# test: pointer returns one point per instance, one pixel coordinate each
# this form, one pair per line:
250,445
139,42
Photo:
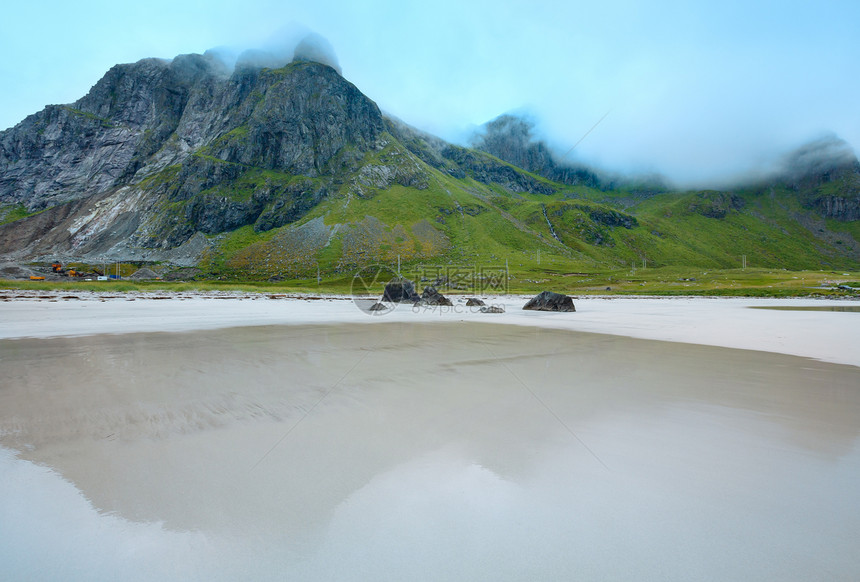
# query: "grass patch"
667,281
12,212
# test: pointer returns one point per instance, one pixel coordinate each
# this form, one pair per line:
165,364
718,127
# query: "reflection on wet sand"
454,451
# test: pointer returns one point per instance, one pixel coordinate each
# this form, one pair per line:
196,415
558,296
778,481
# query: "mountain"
817,188
159,151
512,139
268,173
826,175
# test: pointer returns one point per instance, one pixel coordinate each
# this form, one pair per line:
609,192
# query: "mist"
293,42
822,155
521,139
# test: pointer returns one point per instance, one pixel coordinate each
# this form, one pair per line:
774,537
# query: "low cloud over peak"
291,43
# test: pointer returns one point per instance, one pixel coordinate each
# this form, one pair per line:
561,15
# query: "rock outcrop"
489,170
431,296
712,204
841,208
510,138
826,175
400,291
143,274
550,301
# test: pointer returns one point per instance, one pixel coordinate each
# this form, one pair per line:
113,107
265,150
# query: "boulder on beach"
474,302
400,290
493,309
550,301
378,307
431,296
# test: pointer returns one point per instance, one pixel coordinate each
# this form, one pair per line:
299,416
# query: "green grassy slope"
390,207
462,221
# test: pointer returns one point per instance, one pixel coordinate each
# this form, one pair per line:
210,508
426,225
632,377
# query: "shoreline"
714,321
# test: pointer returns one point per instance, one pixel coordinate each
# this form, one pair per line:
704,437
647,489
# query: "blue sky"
701,91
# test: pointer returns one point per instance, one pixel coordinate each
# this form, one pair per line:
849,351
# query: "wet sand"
444,451
724,322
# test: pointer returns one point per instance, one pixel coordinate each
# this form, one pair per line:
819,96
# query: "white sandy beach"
207,438
725,322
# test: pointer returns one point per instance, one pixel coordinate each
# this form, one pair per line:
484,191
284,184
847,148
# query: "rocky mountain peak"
143,117
160,151
819,161
511,138
825,173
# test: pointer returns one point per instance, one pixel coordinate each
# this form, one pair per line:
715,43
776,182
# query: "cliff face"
66,152
510,138
143,117
179,145
842,208
826,175
837,193
297,119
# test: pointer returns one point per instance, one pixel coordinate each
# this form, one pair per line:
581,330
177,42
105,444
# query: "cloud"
291,42
820,156
317,49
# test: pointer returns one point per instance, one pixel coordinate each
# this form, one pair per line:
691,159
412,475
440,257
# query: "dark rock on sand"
474,302
400,291
431,296
550,301
493,309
